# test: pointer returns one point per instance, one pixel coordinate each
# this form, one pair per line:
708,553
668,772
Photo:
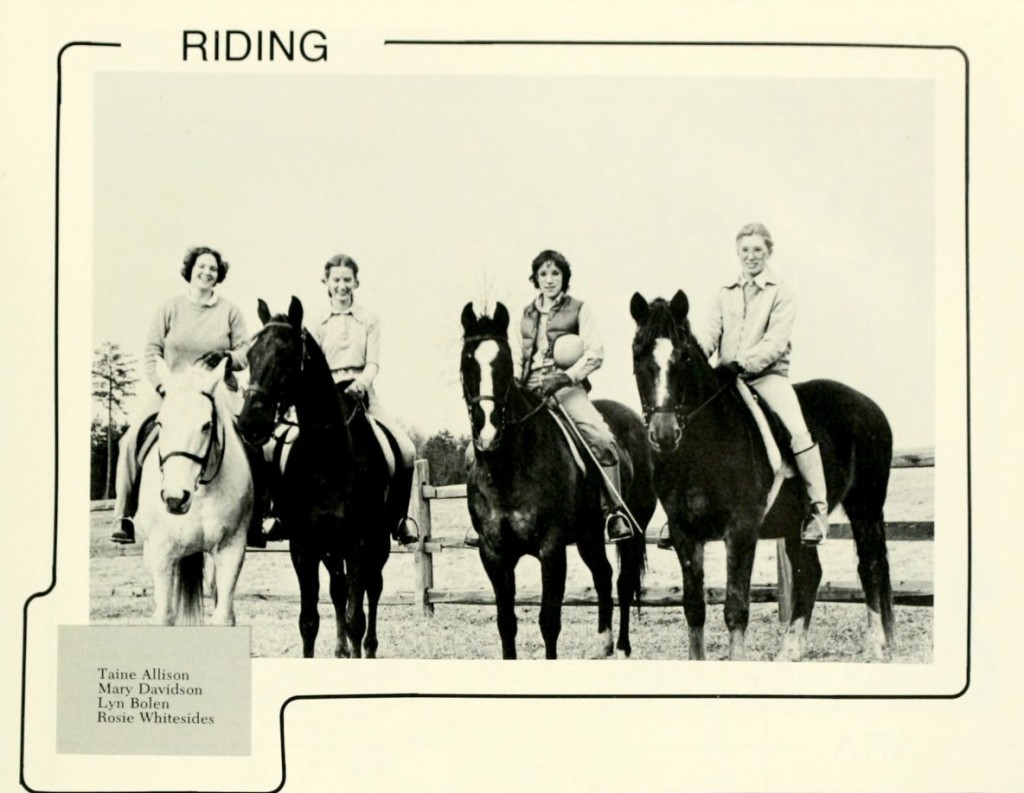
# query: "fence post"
785,584
419,508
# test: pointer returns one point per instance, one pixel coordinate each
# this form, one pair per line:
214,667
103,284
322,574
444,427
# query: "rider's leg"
404,531
777,391
599,437
126,481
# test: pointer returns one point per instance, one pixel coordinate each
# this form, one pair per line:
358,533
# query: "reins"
684,419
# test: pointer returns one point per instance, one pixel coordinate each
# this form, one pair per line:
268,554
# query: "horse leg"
740,546
227,566
355,617
339,595
374,586
691,561
307,569
162,570
873,569
595,557
806,577
502,573
552,573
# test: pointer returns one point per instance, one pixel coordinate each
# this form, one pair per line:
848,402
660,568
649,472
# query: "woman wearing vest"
553,313
749,325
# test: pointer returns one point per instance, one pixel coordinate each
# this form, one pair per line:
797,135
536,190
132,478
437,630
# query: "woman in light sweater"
196,326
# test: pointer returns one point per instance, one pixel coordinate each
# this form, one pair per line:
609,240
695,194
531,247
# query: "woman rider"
199,325
349,336
551,315
750,326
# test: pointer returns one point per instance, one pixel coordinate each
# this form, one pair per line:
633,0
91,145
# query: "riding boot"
404,531
126,500
815,528
616,524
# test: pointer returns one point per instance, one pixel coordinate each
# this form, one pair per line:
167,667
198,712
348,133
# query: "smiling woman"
198,326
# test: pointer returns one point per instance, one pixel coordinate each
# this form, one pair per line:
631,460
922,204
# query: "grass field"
268,593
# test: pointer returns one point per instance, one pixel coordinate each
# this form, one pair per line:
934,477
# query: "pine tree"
113,382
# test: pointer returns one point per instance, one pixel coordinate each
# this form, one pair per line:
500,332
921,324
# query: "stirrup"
124,531
623,529
815,529
272,529
407,531
665,539
472,539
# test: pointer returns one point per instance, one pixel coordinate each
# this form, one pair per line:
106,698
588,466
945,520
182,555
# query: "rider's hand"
213,358
728,372
357,388
554,383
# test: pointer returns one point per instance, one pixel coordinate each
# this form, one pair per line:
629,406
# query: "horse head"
487,374
191,439
667,363
276,355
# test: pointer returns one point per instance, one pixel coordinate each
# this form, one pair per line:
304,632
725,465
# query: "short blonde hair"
760,230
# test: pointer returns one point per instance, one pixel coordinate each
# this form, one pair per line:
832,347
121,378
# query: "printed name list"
149,696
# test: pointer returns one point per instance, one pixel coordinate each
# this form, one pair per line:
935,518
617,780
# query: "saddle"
774,434
146,439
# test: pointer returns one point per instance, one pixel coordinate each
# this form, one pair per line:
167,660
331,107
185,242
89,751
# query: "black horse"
527,495
332,497
714,479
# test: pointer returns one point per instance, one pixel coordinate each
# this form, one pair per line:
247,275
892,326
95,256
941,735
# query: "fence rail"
910,593
425,595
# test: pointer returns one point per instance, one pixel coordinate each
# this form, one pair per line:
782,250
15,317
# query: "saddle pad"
382,435
279,447
770,446
146,439
573,446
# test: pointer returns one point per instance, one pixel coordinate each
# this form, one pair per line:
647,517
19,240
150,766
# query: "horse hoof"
621,655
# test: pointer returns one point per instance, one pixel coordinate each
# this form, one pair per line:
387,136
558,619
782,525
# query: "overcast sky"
443,189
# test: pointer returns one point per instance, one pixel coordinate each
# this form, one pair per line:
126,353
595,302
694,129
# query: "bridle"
473,401
204,460
683,417
281,406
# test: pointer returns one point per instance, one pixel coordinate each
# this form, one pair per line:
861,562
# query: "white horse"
195,497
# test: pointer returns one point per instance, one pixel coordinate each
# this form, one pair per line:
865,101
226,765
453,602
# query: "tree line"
113,383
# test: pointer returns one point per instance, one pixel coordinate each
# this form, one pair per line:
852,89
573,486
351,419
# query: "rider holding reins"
749,325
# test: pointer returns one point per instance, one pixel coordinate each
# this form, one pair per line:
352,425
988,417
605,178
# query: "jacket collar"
763,279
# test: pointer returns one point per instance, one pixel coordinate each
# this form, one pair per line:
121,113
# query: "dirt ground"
267,597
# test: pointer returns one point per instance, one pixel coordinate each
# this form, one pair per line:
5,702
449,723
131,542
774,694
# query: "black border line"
483,696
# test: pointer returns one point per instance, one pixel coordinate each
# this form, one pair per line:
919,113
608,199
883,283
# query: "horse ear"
216,375
501,317
468,317
639,308
680,306
262,311
295,312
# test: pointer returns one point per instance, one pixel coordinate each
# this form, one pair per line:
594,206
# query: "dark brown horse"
713,477
527,495
333,495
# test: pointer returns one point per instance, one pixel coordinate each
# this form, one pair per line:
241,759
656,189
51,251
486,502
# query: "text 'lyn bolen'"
258,45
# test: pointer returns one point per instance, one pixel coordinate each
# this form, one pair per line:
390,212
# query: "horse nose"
178,505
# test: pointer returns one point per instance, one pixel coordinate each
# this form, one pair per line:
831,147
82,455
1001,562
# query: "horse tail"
632,556
190,589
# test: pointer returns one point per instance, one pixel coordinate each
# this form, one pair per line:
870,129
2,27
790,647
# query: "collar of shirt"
562,297
355,309
193,297
761,280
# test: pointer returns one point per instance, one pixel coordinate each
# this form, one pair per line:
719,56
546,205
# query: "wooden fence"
910,593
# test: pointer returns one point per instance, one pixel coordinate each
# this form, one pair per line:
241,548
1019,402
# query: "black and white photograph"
539,373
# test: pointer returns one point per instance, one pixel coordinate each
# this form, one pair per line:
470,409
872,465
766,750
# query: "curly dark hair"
556,259
190,261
